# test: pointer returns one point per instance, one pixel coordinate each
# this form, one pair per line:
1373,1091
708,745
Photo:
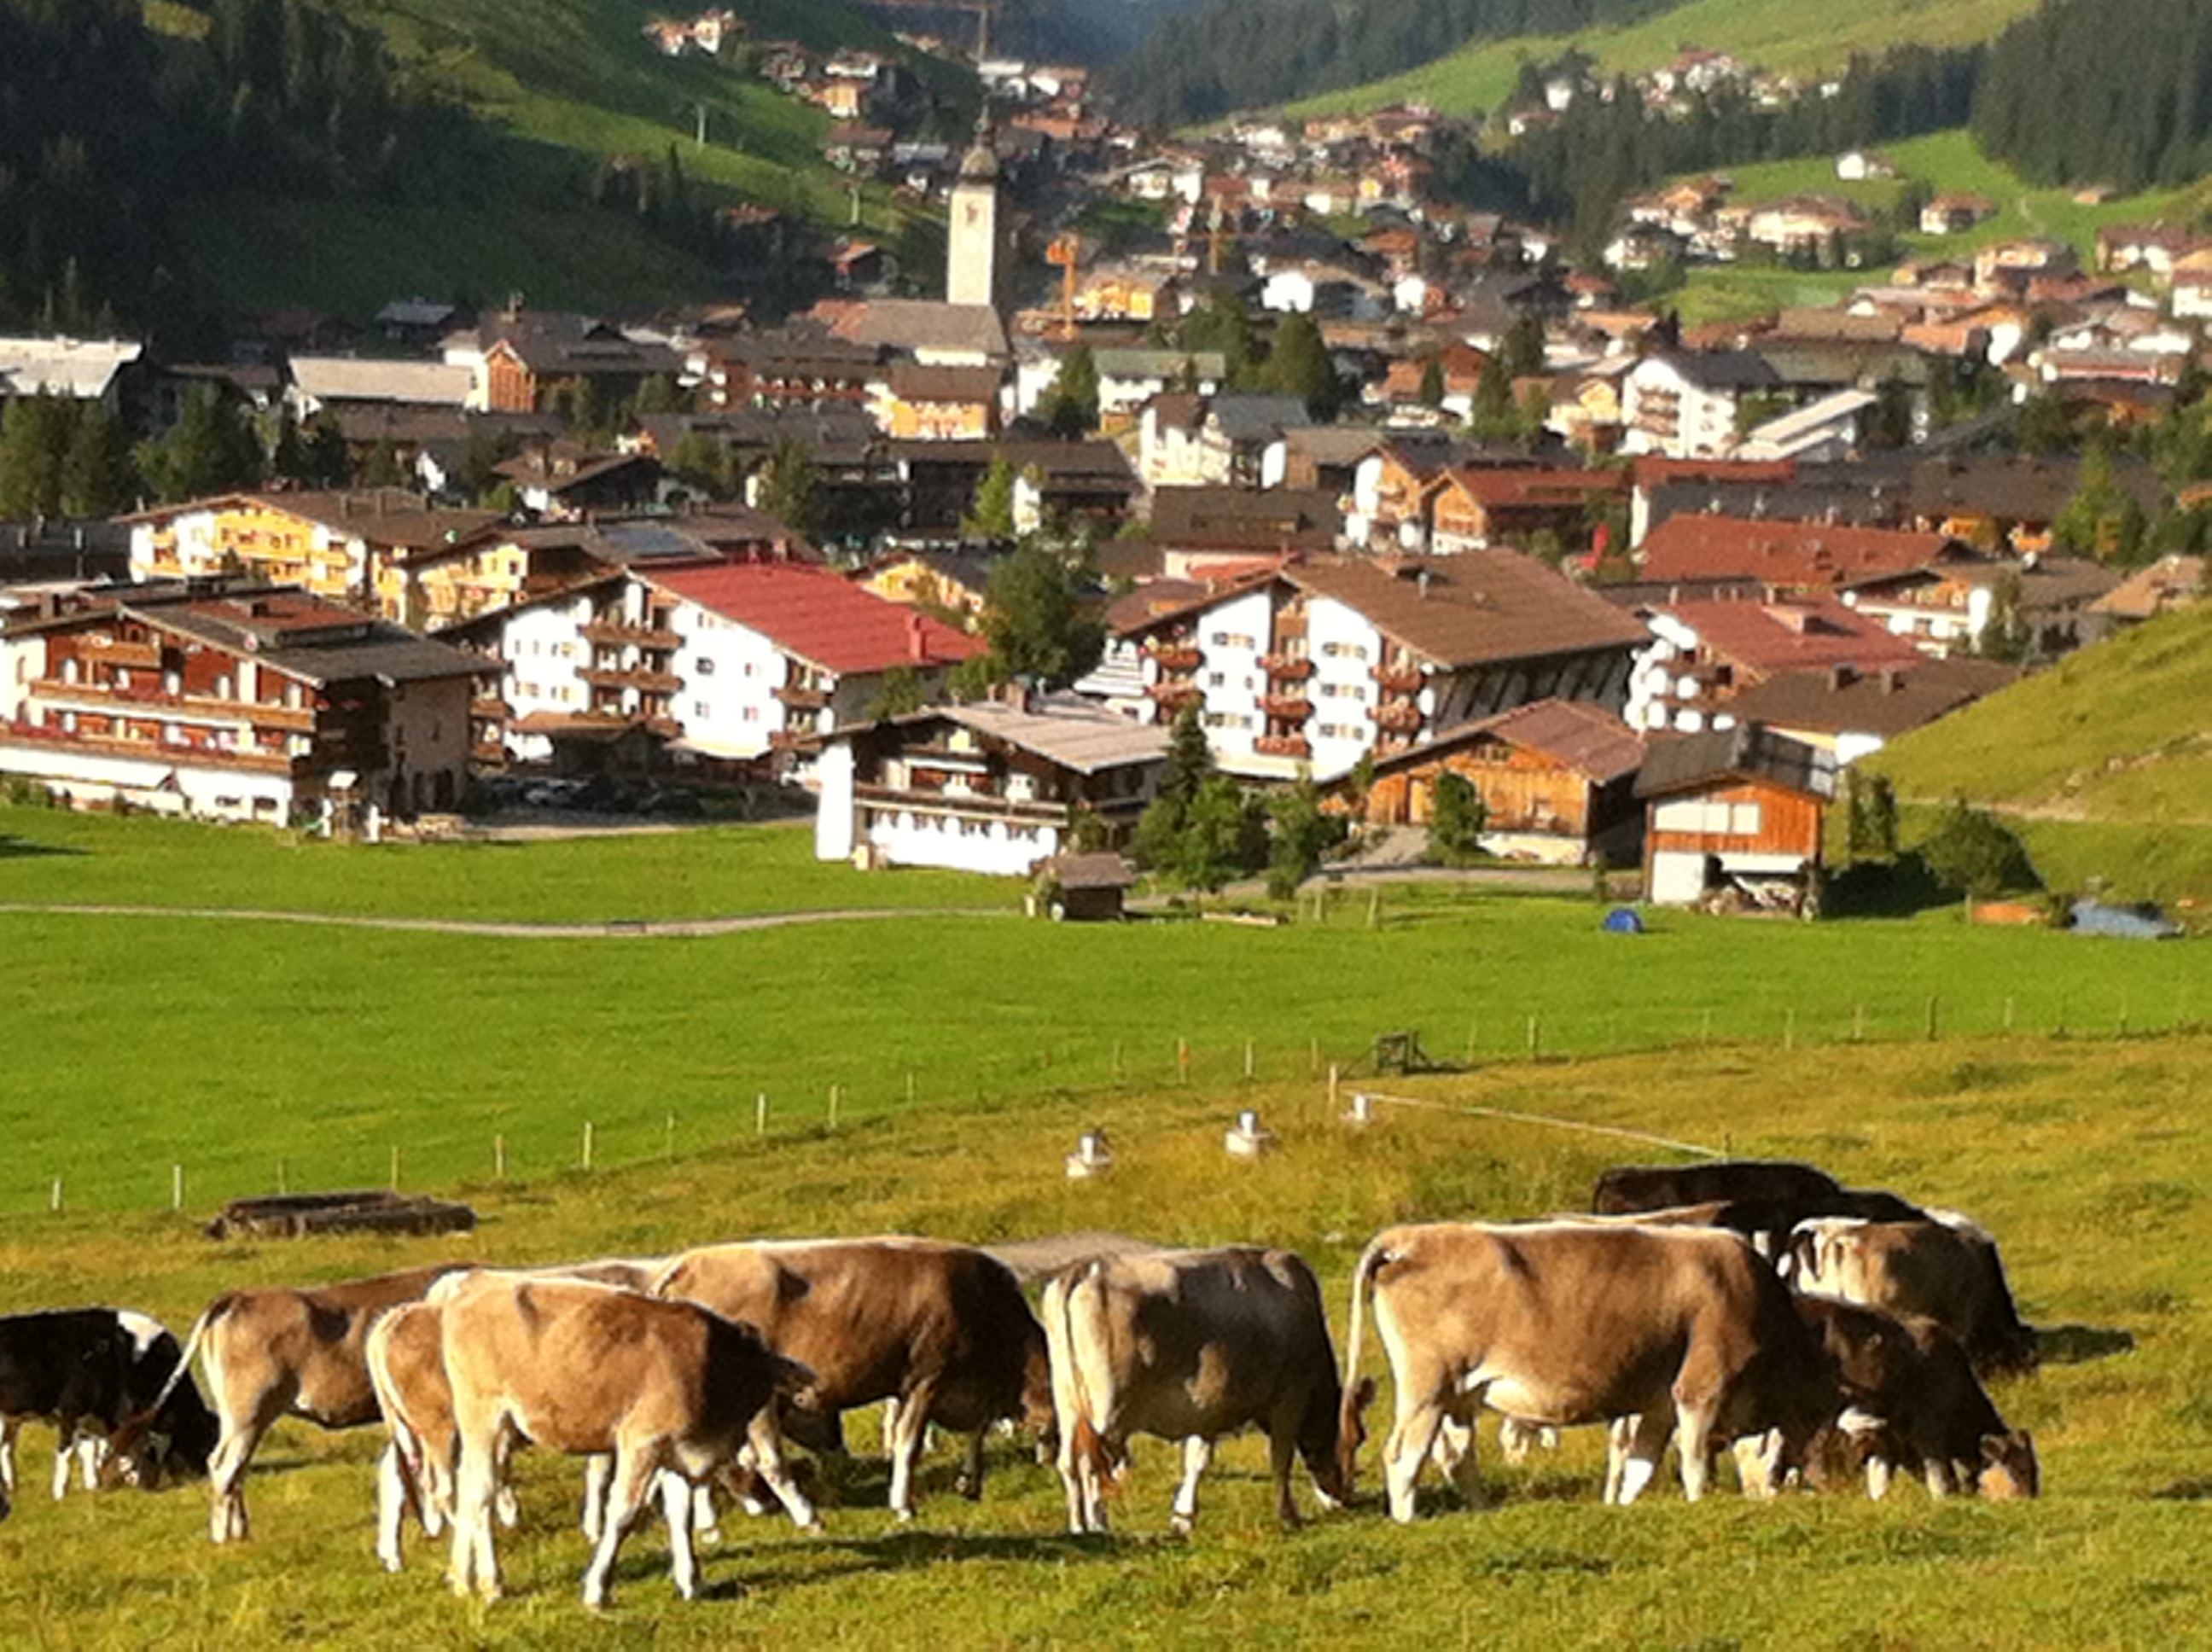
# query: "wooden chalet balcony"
613,634
490,711
137,656
1174,696
973,804
101,745
1401,678
799,697
152,701
1291,708
1283,745
1178,657
646,682
1287,668
1399,716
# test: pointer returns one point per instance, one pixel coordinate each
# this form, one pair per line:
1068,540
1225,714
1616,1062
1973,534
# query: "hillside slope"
1786,36
2105,760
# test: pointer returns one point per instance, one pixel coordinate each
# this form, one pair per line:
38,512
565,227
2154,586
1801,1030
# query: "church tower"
976,261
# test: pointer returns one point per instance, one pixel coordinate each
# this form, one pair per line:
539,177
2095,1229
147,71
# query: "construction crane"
1066,252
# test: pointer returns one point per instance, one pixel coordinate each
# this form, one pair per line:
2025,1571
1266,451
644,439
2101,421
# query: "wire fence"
446,1151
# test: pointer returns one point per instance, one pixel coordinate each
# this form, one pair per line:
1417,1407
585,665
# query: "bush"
1455,821
1974,852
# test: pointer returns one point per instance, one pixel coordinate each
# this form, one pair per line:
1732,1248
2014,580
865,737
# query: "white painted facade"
1235,636
1664,410
1344,647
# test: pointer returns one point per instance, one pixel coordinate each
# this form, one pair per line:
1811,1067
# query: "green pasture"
256,1053
2089,1159
1785,36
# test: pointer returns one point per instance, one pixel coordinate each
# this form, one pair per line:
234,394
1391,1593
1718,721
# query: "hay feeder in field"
296,1216
1362,1111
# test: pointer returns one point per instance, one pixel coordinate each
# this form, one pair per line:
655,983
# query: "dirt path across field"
617,928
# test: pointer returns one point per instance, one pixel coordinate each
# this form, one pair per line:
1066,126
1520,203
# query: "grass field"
2061,1147
1785,36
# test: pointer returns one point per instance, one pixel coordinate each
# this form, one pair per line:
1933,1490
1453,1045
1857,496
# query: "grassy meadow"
1785,36
251,1051
2088,1159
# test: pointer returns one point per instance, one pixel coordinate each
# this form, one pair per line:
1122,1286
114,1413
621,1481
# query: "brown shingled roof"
1476,608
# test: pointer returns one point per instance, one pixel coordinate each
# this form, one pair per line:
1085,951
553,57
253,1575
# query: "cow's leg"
764,1438
91,1453
1457,1450
599,1468
505,1503
910,1432
65,1444
677,1509
1071,1482
632,1483
475,1566
391,1497
1197,1452
9,1427
1758,1463
1694,1420
1935,1471
227,1518
1282,1458
1413,1437
1639,1443
969,1485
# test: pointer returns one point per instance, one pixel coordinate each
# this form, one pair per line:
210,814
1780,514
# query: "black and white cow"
86,1371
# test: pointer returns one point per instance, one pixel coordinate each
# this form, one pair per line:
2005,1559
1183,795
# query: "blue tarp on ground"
2143,922
1623,921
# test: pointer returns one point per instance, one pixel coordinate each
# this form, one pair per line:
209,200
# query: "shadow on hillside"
2076,1345
1885,889
18,848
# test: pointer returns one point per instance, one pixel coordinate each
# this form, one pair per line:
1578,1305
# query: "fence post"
1535,1037
395,1168
1313,1057
1858,1023
176,1186
2008,1015
57,1196
760,1113
1333,1077
1248,1057
1931,1015
499,1158
910,1087
668,1144
834,1089
1182,1060
587,1144
1375,907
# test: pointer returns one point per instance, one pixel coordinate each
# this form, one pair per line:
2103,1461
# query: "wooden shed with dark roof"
1737,809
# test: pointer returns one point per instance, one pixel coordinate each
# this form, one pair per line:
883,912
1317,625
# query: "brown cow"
941,1328
1945,1269
273,1352
1912,1395
1191,1346
1565,1323
585,1368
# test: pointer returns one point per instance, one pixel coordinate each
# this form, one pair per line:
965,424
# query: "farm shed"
1557,780
1739,807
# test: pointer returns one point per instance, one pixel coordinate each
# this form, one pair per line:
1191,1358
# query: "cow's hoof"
1180,1525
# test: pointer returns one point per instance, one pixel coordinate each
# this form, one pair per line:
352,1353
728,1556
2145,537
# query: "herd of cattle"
1820,1331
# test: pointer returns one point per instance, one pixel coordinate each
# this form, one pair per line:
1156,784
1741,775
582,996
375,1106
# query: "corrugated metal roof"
1086,739
1685,763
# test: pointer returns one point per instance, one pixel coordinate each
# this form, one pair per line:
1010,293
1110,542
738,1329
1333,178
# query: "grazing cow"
1945,1270
273,1352
1769,1222
1911,1396
1565,1323
1191,1346
584,1369
1628,1188
942,1329
91,1371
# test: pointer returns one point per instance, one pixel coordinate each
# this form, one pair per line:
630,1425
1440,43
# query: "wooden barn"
1557,780
1739,807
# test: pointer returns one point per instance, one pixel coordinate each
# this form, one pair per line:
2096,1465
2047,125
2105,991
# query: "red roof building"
1785,555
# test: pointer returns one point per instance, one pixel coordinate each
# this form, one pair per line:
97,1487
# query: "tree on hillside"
99,477
1971,850
1300,832
1189,765
1071,407
211,450
34,441
1299,366
1037,614
1456,817
789,488
1871,815
991,516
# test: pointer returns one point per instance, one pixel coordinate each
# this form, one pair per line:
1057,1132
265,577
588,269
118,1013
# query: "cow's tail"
1355,1392
1085,1444
127,1436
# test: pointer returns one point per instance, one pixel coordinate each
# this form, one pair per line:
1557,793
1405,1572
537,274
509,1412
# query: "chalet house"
1703,652
1685,405
1461,367
785,364
2174,581
1171,449
1478,508
568,479
500,565
2155,247
342,384
914,401
520,359
934,334
988,787
1946,607
1813,227
1556,778
1954,213
1317,664
233,700
1070,482
1787,555
1127,292
1127,379
335,546
75,369
1204,533
2008,267
1318,459
951,584
1661,486
1741,809
731,664
1852,712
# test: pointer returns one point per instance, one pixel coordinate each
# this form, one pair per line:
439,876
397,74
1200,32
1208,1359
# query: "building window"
1215,679
699,708
705,666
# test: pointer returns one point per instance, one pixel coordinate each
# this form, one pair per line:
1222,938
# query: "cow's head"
1336,1474
2009,1465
